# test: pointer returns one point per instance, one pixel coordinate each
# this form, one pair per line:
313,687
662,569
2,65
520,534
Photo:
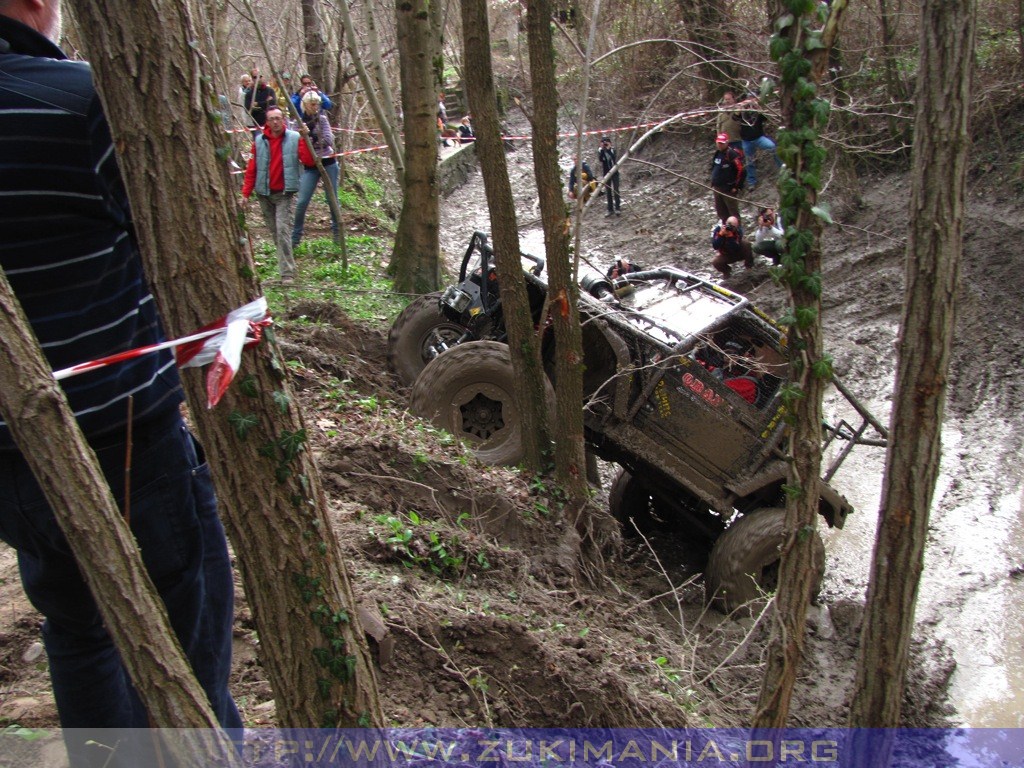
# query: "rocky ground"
506,631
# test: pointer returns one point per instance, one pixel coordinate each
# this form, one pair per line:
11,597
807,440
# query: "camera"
730,227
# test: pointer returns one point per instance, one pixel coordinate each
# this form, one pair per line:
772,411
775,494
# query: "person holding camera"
730,247
306,85
768,237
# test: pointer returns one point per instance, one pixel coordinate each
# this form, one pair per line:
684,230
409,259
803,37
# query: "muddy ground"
513,634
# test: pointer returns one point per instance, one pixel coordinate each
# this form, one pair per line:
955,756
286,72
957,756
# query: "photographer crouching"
730,247
768,237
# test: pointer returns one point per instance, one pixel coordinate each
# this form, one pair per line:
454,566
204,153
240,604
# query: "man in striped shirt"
69,251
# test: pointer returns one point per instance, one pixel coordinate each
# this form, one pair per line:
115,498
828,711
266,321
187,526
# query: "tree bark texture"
415,261
383,112
315,39
711,32
45,430
187,220
934,244
785,648
524,348
387,98
563,292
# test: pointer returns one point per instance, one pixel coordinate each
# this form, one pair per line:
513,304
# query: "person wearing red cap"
727,176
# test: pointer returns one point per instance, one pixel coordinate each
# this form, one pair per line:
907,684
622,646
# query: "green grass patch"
362,289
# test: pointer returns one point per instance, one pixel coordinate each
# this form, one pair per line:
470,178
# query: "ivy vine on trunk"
805,31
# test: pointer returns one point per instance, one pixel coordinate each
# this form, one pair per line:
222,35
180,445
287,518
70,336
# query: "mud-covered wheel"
631,503
468,391
744,561
419,326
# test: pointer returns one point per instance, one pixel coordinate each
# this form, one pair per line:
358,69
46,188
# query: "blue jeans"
173,516
750,149
307,186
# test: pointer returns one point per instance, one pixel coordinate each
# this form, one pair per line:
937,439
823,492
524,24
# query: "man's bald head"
42,15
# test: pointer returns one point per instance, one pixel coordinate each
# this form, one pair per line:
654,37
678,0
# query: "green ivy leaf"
779,47
822,368
790,394
811,284
813,41
291,443
242,423
248,386
800,7
810,180
281,400
794,67
805,317
784,22
821,211
822,109
804,90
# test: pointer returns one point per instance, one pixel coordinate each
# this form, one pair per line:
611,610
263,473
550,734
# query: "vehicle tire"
468,391
413,331
630,502
676,536
744,561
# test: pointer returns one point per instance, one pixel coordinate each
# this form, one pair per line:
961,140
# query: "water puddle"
970,597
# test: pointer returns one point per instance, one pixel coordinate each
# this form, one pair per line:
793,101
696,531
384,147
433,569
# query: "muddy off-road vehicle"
683,390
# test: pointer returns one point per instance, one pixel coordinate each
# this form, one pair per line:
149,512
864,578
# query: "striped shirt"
67,244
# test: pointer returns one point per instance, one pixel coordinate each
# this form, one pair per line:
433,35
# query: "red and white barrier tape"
567,134
221,343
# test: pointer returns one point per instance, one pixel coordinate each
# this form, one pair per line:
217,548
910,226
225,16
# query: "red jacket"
276,170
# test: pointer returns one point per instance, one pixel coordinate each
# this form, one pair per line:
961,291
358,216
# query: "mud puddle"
972,593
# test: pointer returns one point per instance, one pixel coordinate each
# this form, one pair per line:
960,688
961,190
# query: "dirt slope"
512,634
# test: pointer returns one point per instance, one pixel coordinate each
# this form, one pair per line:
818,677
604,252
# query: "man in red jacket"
273,173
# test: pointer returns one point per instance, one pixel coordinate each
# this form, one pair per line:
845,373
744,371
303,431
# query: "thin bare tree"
563,290
311,643
934,247
524,349
44,428
315,43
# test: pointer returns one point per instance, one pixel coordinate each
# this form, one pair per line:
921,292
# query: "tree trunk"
387,98
315,42
941,143
563,291
383,112
893,82
1020,30
809,370
523,344
415,261
45,430
711,33
311,644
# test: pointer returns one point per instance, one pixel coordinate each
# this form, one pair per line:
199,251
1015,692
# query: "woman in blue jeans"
320,134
